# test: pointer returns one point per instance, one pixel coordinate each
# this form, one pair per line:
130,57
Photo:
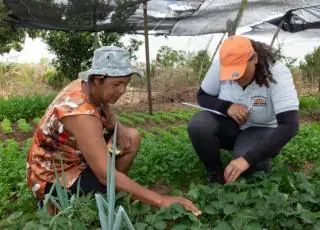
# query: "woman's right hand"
167,201
239,113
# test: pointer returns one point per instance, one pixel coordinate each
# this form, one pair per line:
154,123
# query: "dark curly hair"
266,58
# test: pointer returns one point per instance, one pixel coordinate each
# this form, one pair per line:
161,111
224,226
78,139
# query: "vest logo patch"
259,102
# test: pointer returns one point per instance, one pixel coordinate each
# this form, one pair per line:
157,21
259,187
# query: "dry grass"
305,88
163,79
168,84
23,79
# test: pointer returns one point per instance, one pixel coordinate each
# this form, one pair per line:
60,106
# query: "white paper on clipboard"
210,110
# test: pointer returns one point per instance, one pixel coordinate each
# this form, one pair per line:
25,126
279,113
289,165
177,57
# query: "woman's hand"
234,169
167,201
239,113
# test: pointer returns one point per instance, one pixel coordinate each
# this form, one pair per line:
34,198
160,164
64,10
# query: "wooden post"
276,33
96,41
146,41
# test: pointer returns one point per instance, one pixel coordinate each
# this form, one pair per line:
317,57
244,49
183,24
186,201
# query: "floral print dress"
53,147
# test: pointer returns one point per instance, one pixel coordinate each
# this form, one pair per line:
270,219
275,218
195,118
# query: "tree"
74,50
11,38
288,61
200,63
310,68
169,58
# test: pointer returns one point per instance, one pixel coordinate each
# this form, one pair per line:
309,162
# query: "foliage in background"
288,61
53,79
12,38
310,68
309,103
74,50
27,107
170,58
23,79
200,63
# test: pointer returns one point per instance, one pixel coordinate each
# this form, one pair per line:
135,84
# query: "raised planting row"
26,107
6,126
160,118
281,199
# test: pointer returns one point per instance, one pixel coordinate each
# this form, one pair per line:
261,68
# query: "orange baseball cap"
234,55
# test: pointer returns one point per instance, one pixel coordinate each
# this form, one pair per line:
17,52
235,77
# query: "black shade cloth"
174,17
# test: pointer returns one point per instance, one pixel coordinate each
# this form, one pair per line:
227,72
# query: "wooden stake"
146,38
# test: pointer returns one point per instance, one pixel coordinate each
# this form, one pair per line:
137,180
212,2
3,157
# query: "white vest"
266,101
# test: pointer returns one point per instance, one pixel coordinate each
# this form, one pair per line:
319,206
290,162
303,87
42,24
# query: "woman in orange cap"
259,100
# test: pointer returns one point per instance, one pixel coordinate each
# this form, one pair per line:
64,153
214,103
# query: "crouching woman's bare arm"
88,131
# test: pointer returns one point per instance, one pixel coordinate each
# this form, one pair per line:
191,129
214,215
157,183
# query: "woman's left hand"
234,169
124,140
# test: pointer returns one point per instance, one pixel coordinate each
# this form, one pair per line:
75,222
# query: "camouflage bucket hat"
110,61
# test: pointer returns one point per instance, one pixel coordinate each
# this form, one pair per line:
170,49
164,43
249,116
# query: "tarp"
297,20
174,17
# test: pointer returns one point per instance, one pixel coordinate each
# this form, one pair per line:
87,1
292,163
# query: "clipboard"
209,110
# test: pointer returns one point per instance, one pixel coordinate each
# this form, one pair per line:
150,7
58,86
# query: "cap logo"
235,75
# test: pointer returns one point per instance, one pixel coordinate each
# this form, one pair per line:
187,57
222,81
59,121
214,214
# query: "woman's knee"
136,139
202,123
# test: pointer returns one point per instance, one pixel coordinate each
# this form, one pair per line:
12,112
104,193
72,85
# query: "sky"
294,45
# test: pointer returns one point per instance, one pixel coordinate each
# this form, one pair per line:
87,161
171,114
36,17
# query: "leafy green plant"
126,121
165,116
14,194
136,119
302,148
24,126
26,107
281,199
309,103
6,126
36,120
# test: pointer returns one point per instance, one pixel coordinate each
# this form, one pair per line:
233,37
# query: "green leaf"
181,227
160,225
317,225
237,223
210,209
307,218
141,226
15,215
151,219
219,205
144,209
178,208
229,209
223,225
252,226
194,193
287,185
